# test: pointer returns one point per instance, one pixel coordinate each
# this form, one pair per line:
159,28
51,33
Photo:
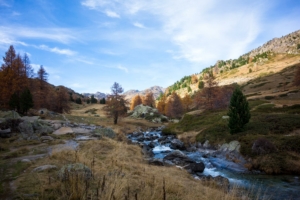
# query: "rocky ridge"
286,44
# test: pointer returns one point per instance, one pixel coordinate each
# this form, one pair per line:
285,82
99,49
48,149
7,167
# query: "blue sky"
87,45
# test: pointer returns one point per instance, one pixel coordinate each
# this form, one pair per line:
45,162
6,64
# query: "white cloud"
201,30
15,13
139,25
122,68
61,35
67,52
112,14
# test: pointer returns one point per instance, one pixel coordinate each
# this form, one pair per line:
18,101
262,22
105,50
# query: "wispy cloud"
67,52
61,35
202,30
112,14
122,68
139,25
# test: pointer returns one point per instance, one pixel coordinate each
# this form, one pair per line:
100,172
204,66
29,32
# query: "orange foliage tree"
174,107
116,103
186,102
148,99
161,105
13,77
137,100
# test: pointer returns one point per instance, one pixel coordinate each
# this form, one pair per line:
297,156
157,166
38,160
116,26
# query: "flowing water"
266,186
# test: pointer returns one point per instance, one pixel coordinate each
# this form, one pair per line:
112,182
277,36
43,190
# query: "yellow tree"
13,78
186,102
161,105
137,100
174,107
148,99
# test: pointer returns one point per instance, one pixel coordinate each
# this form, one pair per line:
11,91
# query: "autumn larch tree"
116,103
174,107
209,92
62,99
136,100
186,102
161,105
148,99
13,79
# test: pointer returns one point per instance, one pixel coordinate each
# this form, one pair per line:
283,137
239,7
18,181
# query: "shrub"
263,146
269,97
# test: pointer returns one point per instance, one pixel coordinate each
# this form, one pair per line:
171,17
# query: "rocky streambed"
224,166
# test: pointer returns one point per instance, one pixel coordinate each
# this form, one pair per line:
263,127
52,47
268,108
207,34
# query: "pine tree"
14,102
26,101
93,99
78,101
239,112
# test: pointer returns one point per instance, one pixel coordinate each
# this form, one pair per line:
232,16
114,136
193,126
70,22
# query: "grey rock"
6,133
9,115
147,150
56,126
26,160
104,132
44,168
157,162
31,119
206,144
46,138
81,130
26,130
178,158
79,169
196,167
177,144
63,131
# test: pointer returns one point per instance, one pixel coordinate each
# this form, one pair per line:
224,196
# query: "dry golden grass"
119,172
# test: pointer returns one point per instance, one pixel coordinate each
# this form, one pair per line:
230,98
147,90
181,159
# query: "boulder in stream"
177,144
178,158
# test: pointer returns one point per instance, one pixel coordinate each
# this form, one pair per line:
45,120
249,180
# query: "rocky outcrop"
27,131
286,44
156,90
148,113
231,146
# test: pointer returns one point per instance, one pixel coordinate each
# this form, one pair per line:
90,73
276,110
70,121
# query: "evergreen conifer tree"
239,112
26,101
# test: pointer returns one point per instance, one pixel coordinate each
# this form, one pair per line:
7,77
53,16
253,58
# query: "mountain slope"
156,90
